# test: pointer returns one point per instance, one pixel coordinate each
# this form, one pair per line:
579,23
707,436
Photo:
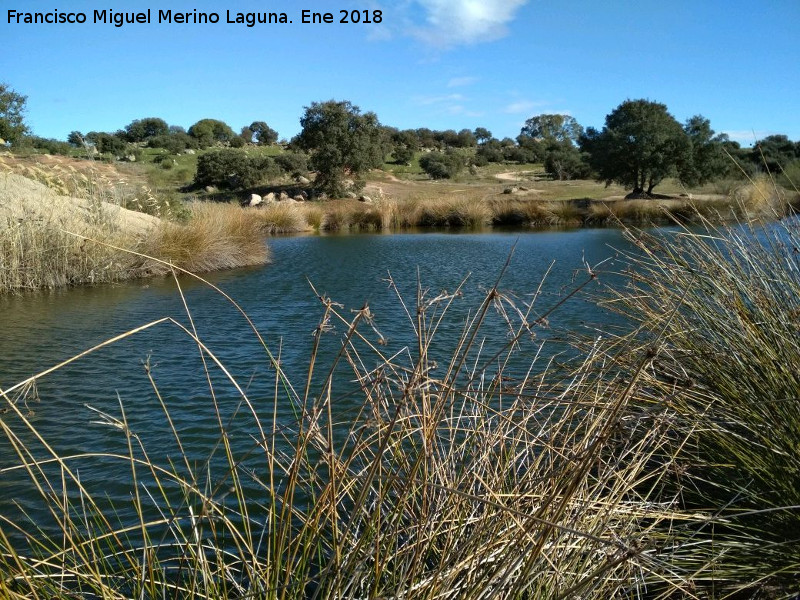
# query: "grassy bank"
49,240
475,209
113,205
660,465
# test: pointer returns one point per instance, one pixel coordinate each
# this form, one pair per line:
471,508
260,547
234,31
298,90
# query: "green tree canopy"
774,152
12,107
443,165
341,141
232,168
76,139
482,135
107,143
404,144
141,130
708,160
208,132
639,146
263,134
552,129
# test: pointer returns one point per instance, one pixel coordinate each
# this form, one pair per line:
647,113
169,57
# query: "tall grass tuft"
217,236
49,241
728,379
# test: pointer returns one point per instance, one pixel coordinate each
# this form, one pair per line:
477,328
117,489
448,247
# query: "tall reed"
478,477
728,377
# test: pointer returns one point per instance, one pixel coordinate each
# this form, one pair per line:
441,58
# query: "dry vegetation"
48,240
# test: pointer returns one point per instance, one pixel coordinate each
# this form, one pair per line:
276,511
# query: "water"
40,330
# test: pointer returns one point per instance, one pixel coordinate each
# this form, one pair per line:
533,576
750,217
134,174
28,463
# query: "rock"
522,189
130,158
348,183
352,195
321,196
298,198
283,196
189,151
303,180
511,190
255,200
365,199
210,189
269,197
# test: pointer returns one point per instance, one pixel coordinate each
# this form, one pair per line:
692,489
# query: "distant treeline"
640,144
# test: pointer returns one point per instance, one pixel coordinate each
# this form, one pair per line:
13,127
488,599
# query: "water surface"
42,329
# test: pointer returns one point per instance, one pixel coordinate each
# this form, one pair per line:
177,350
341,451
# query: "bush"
566,162
488,154
403,155
442,165
175,143
48,146
292,163
233,169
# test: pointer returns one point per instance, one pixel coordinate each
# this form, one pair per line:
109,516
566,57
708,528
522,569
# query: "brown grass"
217,236
49,241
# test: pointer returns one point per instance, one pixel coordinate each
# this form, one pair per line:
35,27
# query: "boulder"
283,196
189,151
352,195
511,190
298,198
269,197
255,200
303,180
210,189
365,199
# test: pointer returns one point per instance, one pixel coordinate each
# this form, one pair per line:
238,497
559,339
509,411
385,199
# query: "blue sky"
442,64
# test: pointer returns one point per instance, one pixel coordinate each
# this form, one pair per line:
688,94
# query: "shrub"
231,168
442,165
175,143
208,132
564,162
292,163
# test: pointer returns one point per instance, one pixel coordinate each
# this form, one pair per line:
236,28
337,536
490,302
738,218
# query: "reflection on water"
40,330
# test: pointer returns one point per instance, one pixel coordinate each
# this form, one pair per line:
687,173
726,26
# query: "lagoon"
76,408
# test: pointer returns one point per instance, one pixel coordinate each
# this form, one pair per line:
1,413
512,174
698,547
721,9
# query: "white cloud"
521,107
428,100
461,81
454,22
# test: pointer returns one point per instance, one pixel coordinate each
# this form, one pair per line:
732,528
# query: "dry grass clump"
91,180
37,250
458,211
217,236
284,217
350,215
49,241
